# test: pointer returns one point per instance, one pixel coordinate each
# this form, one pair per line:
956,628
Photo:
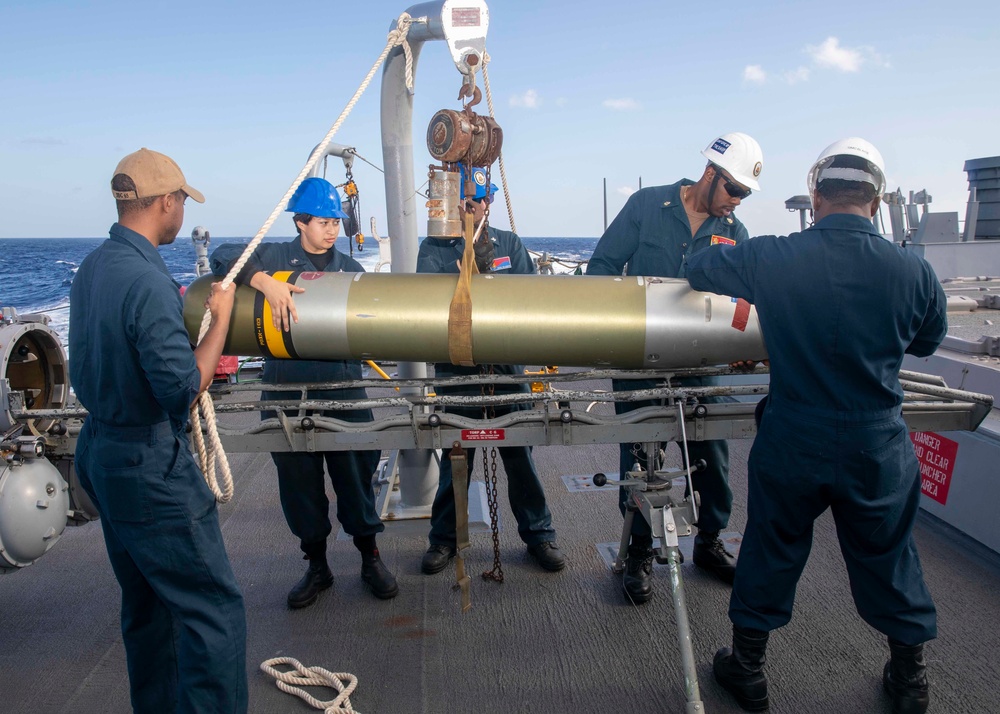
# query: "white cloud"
797,75
831,54
528,100
621,104
625,191
754,74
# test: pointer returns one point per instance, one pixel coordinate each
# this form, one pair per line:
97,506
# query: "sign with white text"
482,435
936,455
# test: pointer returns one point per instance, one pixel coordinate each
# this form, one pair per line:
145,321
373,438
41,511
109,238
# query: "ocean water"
36,274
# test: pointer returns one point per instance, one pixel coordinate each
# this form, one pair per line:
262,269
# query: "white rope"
503,171
207,455
343,682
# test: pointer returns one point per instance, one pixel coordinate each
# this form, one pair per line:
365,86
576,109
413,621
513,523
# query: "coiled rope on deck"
304,676
211,452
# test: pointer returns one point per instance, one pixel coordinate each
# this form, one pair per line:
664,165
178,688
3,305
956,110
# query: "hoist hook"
468,90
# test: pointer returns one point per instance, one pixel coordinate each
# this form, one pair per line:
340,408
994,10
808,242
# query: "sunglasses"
734,190
490,200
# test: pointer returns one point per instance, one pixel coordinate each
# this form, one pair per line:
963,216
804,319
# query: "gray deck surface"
540,642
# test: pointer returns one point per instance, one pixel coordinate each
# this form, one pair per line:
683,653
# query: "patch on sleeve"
722,240
501,263
742,315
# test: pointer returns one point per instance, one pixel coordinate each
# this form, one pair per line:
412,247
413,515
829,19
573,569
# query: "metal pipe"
605,204
622,322
418,473
344,153
971,215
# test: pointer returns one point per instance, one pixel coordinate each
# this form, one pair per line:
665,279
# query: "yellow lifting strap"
460,310
460,484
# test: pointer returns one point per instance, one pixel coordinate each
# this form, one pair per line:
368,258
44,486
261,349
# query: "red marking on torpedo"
742,315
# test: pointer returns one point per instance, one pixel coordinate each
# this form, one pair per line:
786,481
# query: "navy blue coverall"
524,488
651,236
838,306
301,483
132,366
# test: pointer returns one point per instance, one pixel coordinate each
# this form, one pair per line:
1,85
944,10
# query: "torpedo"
597,321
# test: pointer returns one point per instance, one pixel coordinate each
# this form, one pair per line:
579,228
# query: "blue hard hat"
317,197
478,178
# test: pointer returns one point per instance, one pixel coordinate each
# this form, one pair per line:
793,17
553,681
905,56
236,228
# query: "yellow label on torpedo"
273,338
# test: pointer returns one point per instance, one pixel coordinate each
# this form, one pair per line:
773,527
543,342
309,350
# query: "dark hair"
301,218
124,182
843,192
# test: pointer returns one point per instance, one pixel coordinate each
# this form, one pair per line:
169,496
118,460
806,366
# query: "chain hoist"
352,207
458,137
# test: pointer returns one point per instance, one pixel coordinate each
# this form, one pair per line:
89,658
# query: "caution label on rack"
483,435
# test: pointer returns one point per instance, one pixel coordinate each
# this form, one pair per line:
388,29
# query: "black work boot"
548,556
436,559
710,553
317,578
373,571
905,678
637,581
740,670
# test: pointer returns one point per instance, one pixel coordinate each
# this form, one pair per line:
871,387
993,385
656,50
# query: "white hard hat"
738,154
851,146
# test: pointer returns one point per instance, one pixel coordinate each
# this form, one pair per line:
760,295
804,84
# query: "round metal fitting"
434,420
307,424
701,411
449,135
565,416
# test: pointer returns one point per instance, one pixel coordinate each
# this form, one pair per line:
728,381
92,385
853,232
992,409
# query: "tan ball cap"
154,174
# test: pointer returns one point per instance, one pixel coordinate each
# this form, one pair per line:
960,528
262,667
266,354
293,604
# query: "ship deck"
539,642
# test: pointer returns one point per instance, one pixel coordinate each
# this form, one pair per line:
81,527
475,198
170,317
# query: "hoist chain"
486,200
490,478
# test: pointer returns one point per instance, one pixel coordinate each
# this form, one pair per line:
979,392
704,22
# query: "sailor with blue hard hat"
497,251
316,197
301,482
480,182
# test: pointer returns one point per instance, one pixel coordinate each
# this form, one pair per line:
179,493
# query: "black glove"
484,253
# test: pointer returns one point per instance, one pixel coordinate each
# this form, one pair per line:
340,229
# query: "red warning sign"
936,455
482,435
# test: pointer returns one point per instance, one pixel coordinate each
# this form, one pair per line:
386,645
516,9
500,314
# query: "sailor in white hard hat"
838,306
658,228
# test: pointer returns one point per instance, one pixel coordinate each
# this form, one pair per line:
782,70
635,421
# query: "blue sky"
240,92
